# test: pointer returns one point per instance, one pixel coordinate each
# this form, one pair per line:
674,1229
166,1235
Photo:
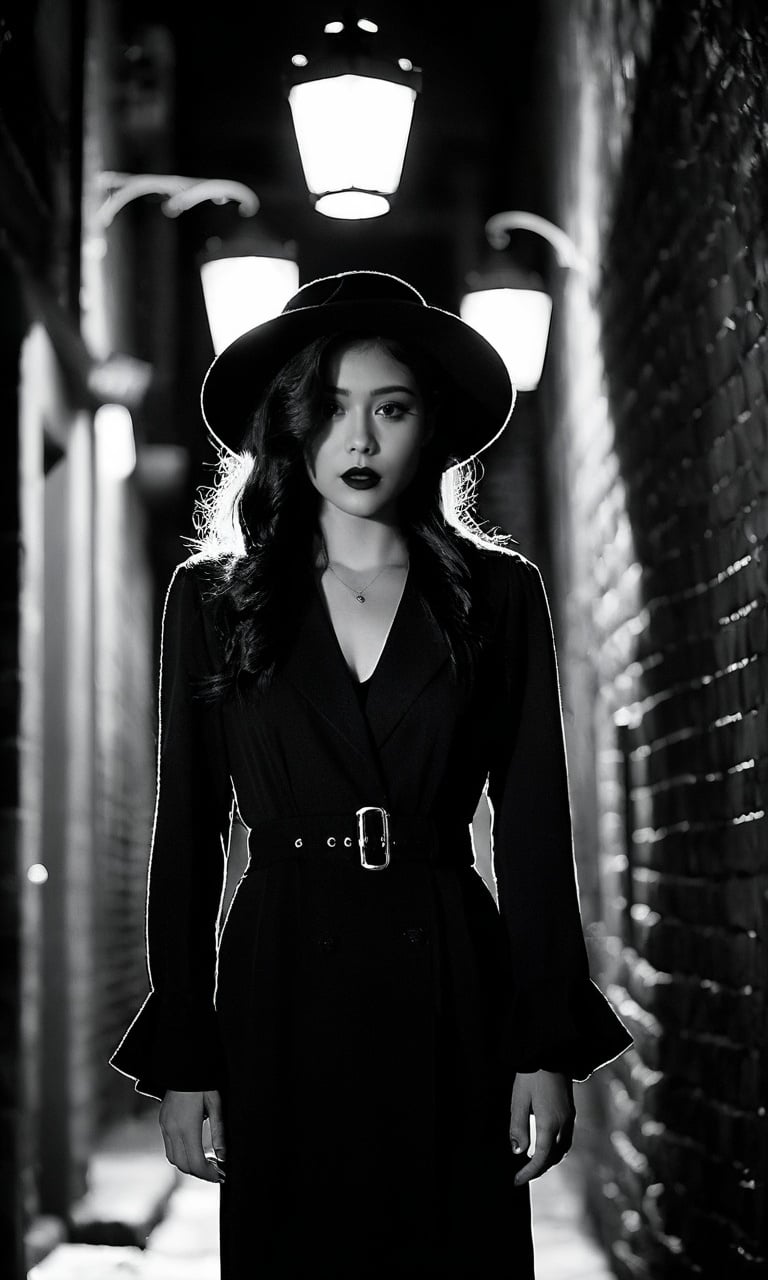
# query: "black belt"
371,836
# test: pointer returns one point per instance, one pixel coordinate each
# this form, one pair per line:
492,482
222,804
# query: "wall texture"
77,627
656,396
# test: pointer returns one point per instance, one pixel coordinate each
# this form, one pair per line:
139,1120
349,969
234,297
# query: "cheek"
411,451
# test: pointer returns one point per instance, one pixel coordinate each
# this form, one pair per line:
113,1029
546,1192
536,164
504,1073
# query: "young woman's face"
367,447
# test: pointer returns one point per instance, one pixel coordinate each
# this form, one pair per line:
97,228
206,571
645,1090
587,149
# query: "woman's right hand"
181,1123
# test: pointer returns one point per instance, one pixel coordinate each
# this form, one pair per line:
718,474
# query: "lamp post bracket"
498,227
181,193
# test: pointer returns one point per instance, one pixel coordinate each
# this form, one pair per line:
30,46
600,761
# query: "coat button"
415,937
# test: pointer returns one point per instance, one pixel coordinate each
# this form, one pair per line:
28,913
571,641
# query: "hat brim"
474,414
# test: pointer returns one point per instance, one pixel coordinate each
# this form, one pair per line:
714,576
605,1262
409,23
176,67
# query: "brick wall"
656,397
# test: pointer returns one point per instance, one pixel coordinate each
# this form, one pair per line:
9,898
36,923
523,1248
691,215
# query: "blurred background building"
635,474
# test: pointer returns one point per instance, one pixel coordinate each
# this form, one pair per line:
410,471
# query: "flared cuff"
575,1033
171,1044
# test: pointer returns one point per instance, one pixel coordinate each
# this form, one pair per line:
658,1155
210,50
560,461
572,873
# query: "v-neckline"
327,615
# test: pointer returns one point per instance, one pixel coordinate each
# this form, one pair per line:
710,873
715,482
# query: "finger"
178,1152
196,1163
520,1132
545,1138
532,1169
520,1143
559,1149
175,1150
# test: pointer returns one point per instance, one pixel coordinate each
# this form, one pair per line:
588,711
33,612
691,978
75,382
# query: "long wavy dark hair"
257,525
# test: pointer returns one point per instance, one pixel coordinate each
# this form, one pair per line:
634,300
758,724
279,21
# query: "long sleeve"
562,1021
172,1043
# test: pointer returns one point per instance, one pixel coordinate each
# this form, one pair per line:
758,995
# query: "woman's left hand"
548,1096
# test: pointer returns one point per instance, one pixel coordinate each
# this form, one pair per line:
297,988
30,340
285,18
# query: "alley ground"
135,1195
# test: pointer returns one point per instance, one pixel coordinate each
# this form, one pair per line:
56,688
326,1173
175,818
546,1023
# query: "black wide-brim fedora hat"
480,396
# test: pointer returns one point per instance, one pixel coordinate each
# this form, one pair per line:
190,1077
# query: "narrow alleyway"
132,1186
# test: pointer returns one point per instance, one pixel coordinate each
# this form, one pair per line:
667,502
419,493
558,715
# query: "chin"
366,503
363,508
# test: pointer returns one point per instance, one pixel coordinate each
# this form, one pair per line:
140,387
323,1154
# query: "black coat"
364,1027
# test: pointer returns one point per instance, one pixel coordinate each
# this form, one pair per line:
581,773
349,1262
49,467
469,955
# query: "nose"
360,438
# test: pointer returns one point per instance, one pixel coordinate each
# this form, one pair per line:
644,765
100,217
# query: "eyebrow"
380,391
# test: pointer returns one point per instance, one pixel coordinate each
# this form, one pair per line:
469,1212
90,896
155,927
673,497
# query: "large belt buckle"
362,838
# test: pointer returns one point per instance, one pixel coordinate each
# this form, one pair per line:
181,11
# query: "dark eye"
393,409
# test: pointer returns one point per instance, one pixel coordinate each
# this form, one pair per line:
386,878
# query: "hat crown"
354,286
480,396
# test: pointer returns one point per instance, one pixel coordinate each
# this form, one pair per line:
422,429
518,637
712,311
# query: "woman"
373,1033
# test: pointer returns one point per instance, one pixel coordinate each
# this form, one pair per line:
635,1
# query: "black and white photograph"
384,880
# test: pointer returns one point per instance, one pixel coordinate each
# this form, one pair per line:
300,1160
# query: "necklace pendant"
360,598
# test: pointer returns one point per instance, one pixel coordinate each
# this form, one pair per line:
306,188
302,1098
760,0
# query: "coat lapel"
315,665
413,654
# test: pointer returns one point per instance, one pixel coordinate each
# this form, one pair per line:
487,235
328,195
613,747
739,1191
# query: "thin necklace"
359,594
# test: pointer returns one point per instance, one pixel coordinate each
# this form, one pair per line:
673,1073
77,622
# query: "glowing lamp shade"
516,322
241,292
352,133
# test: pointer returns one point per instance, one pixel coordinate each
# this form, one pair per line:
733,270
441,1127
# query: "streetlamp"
246,278
510,307
352,107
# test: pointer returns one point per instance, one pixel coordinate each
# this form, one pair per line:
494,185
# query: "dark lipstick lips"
361,477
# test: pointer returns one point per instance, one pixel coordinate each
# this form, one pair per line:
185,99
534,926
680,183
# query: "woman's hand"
548,1096
181,1122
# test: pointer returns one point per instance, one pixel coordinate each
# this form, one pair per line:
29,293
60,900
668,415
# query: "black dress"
364,1025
